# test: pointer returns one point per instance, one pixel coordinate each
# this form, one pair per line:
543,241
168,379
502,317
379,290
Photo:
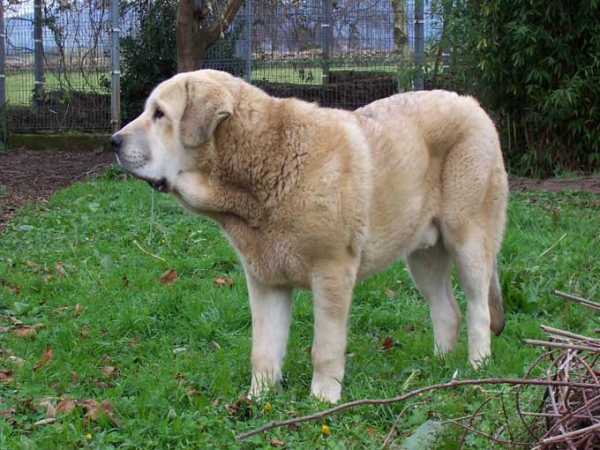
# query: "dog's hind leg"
271,313
430,270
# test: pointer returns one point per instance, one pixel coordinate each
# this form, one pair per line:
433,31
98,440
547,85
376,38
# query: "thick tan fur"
319,198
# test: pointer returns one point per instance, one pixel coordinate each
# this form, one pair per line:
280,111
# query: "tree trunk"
195,34
401,28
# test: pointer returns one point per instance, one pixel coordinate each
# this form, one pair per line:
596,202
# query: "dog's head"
180,116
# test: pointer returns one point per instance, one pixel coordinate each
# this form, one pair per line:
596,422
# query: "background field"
170,361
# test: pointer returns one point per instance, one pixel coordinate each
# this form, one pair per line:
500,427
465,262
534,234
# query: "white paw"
327,389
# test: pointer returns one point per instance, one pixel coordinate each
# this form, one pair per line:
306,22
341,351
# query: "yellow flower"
325,430
88,436
267,406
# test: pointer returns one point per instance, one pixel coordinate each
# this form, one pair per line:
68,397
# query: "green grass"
180,352
20,84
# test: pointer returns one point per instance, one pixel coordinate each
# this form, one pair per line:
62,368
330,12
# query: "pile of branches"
568,393
569,415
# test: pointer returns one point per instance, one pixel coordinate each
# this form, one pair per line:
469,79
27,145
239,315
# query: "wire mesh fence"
339,53
57,60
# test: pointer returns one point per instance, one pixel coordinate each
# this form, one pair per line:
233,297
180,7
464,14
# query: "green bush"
149,55
536,66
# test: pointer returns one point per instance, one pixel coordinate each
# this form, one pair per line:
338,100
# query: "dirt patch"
27,175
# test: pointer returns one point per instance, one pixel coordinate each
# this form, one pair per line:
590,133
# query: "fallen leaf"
223,281
216,402
66,405
169,277
25,331
4,329
94,410
44,359
74,377
276,442
8,412
193,391
109,371
6,375
388,343
50,409
32,265
390,293
78,310
59,269
16,360
47,421
10,286
16,322
83,333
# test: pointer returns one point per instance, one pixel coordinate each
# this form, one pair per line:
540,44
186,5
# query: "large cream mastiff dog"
319,198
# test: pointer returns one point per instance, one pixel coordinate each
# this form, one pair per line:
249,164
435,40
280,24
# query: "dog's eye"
157,114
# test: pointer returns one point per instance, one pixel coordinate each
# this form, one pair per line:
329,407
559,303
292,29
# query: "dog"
318,198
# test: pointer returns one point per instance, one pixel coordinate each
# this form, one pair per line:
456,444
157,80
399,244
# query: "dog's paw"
326,389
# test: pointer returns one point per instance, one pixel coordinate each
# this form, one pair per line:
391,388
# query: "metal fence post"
419,44
2,62
326,38
38,51
115,80
249,41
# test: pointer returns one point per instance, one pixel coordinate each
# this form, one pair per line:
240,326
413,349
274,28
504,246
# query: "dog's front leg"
332,292
271,310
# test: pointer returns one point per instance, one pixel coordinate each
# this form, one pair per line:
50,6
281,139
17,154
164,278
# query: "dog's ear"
206,107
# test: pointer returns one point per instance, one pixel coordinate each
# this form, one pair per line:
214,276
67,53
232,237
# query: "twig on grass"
416,392
391,433
573,298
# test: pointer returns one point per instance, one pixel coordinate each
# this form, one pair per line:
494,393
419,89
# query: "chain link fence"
60,68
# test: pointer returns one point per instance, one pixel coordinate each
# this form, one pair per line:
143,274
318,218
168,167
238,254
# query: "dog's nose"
116,140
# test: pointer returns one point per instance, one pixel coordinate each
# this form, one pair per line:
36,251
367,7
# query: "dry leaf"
11,287
45,358
50,409
193,391
47,421
16,322
169,277
59,269
83,333
74,377
6,375
223,281
109,371
94,410
66,405
276,442
388,343
24,331
78,310
16,360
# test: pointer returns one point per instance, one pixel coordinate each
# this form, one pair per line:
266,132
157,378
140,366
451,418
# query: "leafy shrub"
536,65
149,55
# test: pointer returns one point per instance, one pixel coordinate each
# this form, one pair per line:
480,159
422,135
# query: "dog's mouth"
160,185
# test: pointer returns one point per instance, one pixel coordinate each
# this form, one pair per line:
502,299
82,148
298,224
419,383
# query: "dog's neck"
254,150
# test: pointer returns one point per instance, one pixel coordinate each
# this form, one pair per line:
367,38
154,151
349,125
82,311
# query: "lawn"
91,338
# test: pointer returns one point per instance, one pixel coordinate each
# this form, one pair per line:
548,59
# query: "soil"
27,175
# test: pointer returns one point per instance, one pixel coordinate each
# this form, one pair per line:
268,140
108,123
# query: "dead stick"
568,334
561,345
400,398
391,433
583,301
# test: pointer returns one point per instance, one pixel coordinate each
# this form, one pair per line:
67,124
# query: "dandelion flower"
267,406
325,430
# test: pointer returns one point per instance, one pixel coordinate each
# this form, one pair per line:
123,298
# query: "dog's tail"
495,303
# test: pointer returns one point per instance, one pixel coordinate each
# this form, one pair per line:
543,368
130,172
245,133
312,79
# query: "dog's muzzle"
159,185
